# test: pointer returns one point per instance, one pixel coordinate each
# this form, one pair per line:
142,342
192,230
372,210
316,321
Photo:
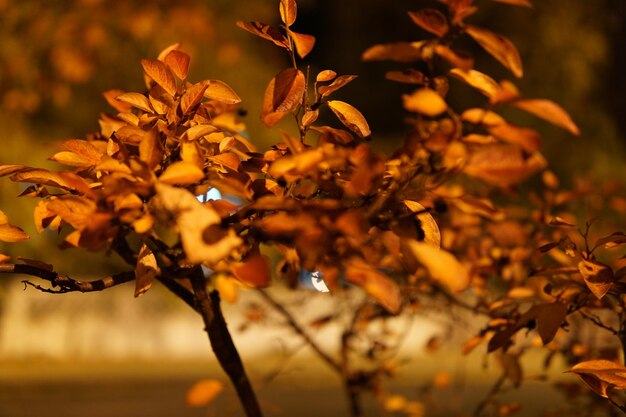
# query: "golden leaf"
10,233
111,97
528,139
282,96
203,392
304,43
482,116
457,59
428,224
375,283
178,62
310,117
601,375
227,287
340,82
397,51
136,100
192,97
266,32
143,224
550,112
145,271
160,74
254,271
425,101
442,265
350,117
75,210
190,152
326,75
476,79
181,172
431,20
503,165
42,177
499,47
151,148
597,276
222,92
288,11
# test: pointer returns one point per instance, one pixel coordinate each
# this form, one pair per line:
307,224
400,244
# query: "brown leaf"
178,62
549,320
288,11
442,265
431,20
136,100
425,101
282,96
145,271
601,375
304,43
160,74
408,76
254,271
350,117
598,277
376,284
482,82
550,112
340,82
222,92
203,392
499,47
397,51
181,172
266,32
612,240
151,148
523,3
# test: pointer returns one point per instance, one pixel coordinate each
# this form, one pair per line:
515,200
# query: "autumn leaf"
145,271
550,112
288,11
266,32
425,101
476,79
136,100
203,392
181,172
10,233
282,96
397,51
601,375
428,224
178,62
192,97
338,83
431,20
550,317
151,149
350,117
499,47
325,76
227,287
304,43
456,59
442,265
523,3
375,283
220,91
597,276
408,76
254,271
160,74
528,139
503,165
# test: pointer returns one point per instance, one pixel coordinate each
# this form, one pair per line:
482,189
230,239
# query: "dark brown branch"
180,291
65,283
222,343
298,329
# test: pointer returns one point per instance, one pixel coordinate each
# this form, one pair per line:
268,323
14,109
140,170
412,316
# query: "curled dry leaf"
601,375
499,47
597,276
550,112
425,101
350,117
431,20
340,82
442,265
145,271
282,96
203,392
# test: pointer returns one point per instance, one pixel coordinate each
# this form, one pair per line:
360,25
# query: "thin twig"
492,392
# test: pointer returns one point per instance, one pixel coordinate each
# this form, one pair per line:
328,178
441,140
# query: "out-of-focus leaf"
282,96
376,284
350,117
161,74
75,210
145,271
4,258
503,165
425,101
427,223
178,61
203,392
397,51
482,82
254,271
601,375
408,76
523,3
482,116
549,319
442,265
431,20
12,169
151,149
42,177
597,276
220,91
310,117
304,43
550,112
612,240
340,82
288,11
10,233
456,59
227,287
499,47
528,139
181,172
266,32
325,76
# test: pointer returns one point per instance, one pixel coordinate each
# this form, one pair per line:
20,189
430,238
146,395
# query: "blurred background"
113,355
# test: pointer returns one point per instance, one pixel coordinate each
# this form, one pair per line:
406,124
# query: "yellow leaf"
282,96
136,100
161,74
482,116
375,283
190,152
442,265
203,392
550,112
304,43
325,76
288,11
181,172
220,91
350,117
425,101
145,271
143,224
178,61
482,82
112,165
499,47
227,287
397,51
10,233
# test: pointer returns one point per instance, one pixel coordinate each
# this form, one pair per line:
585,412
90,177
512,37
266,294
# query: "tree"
439,221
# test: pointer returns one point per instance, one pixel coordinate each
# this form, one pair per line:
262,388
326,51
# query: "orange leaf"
282,96
326,75
375,283
601,375
255,271
502,164
528,139
523,3
42,177
350,117
178,61
499,47
151,148
550,112
598,277
288,11
428,224
136,100
397,51
222,92
10,233
409,76
304,43
227,287
442,265
203,392
160,74
111,97
457,59
340,82
192,97
431,20
266,32
482,82
425,101
310,117
181,172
